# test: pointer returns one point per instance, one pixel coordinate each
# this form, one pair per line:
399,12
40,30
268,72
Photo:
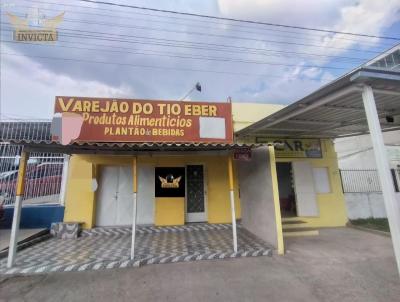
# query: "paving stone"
101,248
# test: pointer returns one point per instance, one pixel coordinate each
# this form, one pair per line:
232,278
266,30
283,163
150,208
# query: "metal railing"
42,180
360,181
25,130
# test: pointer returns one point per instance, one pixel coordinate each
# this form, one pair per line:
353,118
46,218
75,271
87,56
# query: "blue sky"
256,64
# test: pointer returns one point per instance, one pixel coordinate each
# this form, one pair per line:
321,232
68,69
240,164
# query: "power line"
358,41
238,20
191,44
175,17
218,59
174,54
256,51
185,19
147,66
220,36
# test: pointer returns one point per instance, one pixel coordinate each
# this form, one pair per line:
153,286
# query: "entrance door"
306,198
287,197
145,195
195,194
114,198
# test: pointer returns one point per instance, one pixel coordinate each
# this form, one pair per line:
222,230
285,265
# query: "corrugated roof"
336,109
98,147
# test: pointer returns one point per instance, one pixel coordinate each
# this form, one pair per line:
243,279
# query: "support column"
19,192
382,164
275,193
134,174
232,199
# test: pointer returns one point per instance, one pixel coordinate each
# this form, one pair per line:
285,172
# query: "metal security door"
124,196
145,195
106,210
195,194
306,198
114,198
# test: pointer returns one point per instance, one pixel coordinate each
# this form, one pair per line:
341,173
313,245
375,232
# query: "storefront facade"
310,184
99,186
203,180
166,163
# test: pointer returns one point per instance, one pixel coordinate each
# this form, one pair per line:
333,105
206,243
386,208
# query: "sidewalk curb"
360,228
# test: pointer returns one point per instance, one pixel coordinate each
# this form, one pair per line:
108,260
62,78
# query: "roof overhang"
335,110
125,148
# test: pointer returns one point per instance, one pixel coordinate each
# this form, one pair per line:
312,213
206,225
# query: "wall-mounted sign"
123,120
243,154
169,182
293,147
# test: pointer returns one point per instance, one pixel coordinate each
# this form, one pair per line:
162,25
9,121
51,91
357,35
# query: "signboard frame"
141,120
278,153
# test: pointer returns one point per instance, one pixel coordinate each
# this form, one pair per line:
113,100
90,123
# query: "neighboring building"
356,152
359,173
357,162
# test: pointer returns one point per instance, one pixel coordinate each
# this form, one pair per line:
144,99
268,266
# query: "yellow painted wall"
245,114
170,211
80,202
332,208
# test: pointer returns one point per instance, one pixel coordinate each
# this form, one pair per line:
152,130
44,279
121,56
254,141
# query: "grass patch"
380,224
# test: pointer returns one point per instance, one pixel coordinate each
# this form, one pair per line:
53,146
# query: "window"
321,180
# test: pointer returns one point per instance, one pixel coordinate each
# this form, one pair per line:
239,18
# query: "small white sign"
95,185
212,127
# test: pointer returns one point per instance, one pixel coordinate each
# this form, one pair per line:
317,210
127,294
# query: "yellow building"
300,186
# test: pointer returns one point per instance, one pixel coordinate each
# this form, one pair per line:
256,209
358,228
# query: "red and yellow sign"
124,120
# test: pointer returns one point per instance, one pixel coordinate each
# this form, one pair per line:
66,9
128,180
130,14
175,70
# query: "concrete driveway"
338,265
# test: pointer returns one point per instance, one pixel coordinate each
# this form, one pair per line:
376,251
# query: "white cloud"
364,16
33,83
29,89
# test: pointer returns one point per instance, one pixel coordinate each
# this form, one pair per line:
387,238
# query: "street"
338,265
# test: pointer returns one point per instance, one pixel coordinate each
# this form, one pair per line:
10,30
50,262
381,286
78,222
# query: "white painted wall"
256,197
356,153
365,205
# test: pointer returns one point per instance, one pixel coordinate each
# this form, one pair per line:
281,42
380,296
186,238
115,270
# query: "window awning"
336,110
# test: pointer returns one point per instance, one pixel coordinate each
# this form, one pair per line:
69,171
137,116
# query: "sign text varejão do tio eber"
123,120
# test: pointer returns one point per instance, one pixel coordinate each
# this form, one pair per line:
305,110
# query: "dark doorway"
287,197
